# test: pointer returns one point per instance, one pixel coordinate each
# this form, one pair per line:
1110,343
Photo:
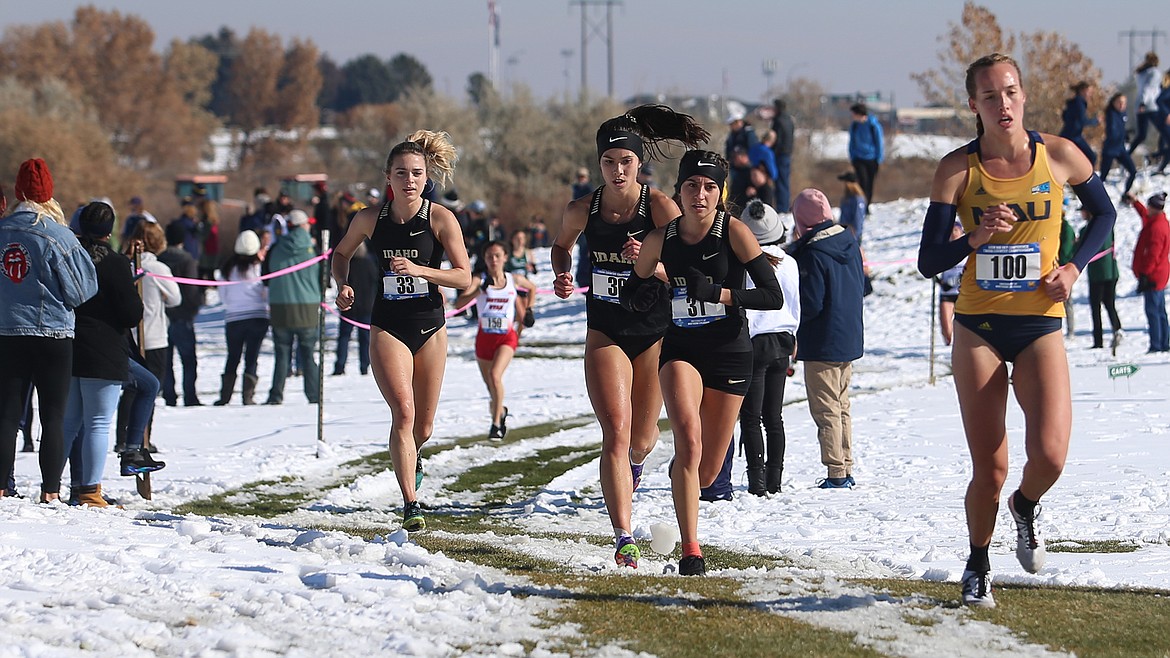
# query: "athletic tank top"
610,271
517,264
416,241
713,257
496,307
1003,276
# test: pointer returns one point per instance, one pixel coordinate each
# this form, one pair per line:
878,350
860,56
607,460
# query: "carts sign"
1123,370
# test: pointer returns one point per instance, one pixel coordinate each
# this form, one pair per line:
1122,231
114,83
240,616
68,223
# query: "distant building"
933,120
711,109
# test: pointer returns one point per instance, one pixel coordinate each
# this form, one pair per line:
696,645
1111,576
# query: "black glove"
641,295
1144,284
529,318
699,288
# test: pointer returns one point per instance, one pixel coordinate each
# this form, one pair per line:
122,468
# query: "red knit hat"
34,182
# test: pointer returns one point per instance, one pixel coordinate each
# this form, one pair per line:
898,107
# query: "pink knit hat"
810,208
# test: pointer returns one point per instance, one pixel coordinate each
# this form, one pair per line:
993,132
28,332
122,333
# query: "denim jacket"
45,275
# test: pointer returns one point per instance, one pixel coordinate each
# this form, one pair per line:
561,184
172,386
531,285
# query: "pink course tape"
271,275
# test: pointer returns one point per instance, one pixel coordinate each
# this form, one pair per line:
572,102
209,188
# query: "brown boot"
227,385
250,382
91,495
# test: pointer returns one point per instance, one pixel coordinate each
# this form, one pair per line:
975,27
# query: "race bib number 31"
395,287
1008,267
687,312
607,285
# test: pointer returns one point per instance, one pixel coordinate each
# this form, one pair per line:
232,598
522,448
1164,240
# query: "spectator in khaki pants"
830,336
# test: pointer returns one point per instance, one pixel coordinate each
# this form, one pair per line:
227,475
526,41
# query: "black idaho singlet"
691,319
401,295
610,271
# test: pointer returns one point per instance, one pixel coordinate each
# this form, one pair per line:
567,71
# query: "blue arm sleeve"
1103,215
937,252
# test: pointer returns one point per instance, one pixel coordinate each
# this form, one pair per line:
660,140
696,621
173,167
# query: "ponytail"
435,147
654,123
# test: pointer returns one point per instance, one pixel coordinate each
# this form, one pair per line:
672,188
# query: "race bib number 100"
1008,267
395,287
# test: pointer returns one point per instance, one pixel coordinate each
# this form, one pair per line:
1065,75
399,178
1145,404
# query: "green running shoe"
412,517
627,553
418,472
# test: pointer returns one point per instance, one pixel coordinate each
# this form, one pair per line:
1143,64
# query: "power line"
1134,34
596,27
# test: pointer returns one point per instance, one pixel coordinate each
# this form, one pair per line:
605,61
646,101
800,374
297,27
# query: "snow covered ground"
143,581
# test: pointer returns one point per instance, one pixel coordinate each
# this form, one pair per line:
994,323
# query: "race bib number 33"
1008,267
395,287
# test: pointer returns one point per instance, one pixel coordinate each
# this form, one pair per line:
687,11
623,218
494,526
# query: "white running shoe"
977,589
1029,544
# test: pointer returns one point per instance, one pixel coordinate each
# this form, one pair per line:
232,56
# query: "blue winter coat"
1114,144
1075,117
866,140
853,213
832,284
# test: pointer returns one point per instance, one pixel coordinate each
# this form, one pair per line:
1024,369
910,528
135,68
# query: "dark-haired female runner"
621,347
705,366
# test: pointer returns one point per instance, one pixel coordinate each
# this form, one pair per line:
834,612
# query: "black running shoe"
692,565
977,589
504,423
136,462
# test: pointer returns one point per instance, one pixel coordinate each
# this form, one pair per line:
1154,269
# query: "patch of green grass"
663,615
265,498
506,481
690,617
1091,546
1093,623
670,615
271,498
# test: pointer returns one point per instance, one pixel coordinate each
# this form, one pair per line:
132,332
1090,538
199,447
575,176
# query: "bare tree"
252,85
300,83
1052,64
1049,64
77,148
977,34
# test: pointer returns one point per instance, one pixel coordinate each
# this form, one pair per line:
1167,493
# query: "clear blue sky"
660,46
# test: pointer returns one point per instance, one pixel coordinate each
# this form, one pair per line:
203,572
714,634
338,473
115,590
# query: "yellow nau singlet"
1004,275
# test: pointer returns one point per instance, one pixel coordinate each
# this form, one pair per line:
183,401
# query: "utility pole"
1134,34
567,55
769,67
494,44
590,28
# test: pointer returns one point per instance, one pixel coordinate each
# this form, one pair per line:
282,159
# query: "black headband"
701,166
619,139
